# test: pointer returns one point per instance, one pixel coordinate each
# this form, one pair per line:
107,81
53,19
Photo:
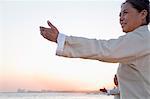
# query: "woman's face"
130,18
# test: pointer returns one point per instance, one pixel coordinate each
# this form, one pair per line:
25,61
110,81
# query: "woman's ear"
144,13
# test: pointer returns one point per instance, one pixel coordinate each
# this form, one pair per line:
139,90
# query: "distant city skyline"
19,90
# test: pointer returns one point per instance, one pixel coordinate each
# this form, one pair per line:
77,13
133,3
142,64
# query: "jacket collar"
141,28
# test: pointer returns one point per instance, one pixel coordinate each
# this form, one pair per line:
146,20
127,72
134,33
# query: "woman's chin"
125,30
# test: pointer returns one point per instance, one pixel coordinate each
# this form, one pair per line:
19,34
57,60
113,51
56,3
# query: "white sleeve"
108,92
60,43
121,50
114,91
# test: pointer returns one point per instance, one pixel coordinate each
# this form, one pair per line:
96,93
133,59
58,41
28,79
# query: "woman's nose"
121,18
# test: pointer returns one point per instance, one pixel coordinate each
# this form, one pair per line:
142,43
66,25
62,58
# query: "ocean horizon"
53,95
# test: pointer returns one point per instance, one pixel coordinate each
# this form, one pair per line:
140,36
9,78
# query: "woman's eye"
125,12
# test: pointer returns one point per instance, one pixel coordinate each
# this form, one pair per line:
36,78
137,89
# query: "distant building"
21,90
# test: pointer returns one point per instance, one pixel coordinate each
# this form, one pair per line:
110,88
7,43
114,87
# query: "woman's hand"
51,33
103,90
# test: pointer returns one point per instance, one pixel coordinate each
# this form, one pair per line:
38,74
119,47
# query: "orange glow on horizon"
42,82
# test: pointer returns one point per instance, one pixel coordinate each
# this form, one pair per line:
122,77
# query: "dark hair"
140,5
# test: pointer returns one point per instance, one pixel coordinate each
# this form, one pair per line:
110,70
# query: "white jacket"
132,51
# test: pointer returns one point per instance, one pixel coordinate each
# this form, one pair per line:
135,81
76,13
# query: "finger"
50,24
42,31
41,28
44,34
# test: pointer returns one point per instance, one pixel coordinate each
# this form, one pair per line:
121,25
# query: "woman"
132,50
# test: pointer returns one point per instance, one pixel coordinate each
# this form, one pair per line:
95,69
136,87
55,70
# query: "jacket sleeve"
123,49
114,91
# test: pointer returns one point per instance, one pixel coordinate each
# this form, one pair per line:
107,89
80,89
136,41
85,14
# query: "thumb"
50,24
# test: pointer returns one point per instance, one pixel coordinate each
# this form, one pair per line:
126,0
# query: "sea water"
53,96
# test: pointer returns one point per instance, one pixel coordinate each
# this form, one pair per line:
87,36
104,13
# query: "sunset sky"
28,61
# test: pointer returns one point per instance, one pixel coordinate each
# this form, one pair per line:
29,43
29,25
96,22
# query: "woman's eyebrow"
122,11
